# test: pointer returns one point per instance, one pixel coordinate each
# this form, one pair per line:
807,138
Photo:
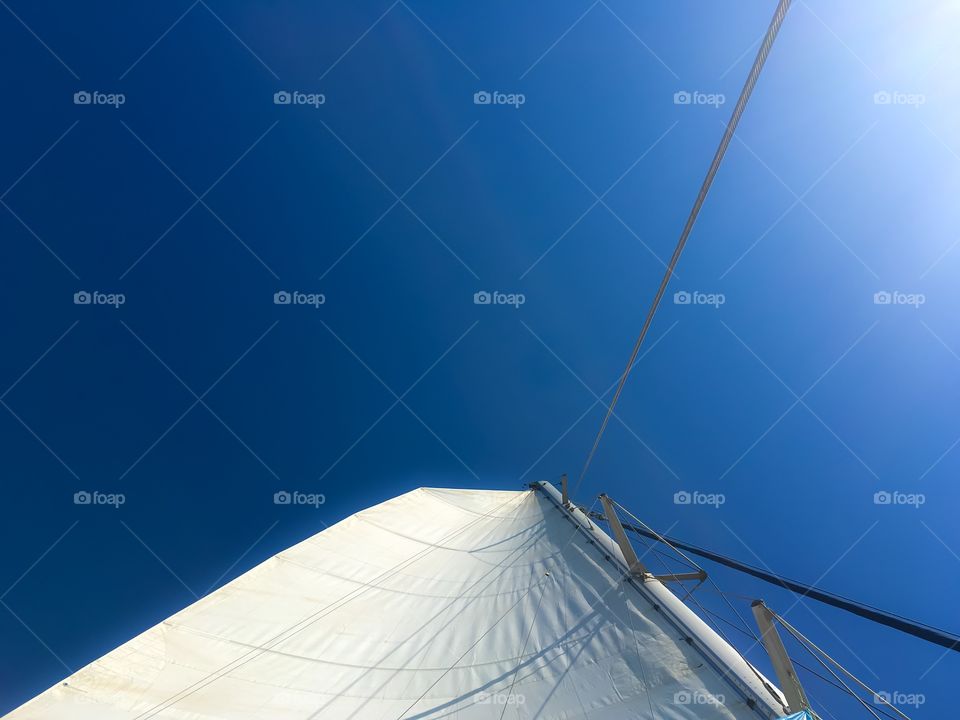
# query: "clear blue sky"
798,398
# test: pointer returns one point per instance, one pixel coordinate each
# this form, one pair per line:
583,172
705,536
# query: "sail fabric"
460,604
802,715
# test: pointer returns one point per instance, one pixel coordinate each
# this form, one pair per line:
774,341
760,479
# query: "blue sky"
398,198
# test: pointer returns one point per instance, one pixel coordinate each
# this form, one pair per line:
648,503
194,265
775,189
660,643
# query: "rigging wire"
744,628
659,537
709,578
762,680
796,662
811,647
924,631
666,568
646,532
728,132
846,687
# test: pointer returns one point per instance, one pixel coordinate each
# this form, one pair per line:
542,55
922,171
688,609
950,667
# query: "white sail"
436,604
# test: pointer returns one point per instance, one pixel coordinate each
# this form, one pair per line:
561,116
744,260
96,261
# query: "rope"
745,629
796,662
712,582
811,647
924,631
726,673
840,680
660,537
731,127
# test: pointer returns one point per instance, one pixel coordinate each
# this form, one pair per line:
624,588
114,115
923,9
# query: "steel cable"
728,132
